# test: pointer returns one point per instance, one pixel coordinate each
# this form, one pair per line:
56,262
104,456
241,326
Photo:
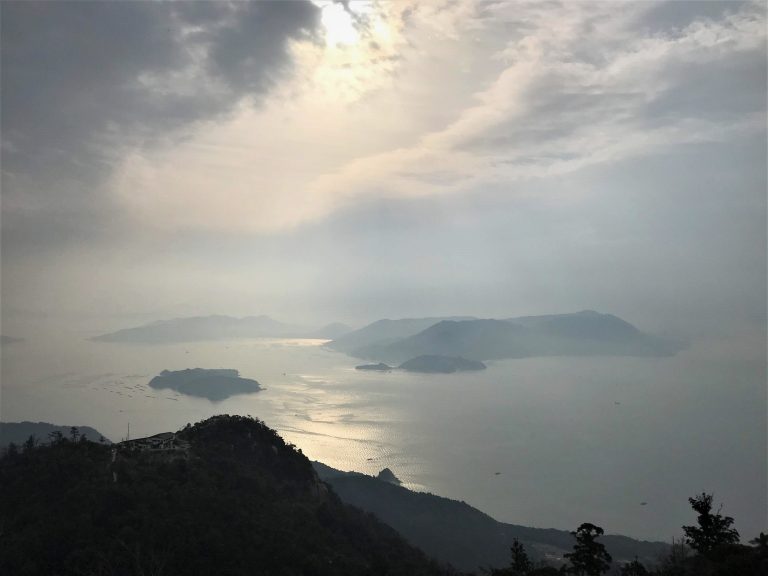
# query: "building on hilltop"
159,442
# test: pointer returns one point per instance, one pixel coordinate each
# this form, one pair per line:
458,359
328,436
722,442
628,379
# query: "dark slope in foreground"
19,432
456,533
238,501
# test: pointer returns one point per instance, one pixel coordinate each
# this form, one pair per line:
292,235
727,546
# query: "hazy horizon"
321,161
390,160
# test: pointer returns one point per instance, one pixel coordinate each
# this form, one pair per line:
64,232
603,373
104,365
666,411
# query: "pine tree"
589,557
55,437
521,564
30,443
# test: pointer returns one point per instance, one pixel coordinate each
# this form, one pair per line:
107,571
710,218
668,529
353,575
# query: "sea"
545,442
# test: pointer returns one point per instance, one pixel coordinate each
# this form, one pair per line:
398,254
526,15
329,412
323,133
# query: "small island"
387,475
213,384
380,367
433,364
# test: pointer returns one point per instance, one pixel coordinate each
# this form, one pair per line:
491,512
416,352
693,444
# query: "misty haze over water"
328,163
570,437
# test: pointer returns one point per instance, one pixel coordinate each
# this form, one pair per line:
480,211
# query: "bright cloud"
568,85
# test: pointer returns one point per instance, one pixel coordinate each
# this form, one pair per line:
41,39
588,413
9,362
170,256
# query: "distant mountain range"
586,333
456,533
218,327
384,332
19,432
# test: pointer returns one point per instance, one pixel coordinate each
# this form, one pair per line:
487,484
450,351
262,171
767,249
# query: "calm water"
540,442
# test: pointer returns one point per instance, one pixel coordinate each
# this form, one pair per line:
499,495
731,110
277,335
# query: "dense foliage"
455,532
589,557
238,501
232,498
719,554
713,530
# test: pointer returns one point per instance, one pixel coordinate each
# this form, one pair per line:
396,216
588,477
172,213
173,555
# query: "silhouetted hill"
383,332
432,364
380,367
214,384
584,333
201,328
19,432
386,475
454,532
330,331
234,500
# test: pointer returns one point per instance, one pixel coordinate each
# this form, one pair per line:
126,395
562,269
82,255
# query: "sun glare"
339,25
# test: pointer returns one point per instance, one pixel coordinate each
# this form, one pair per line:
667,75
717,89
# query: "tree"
74,433
589,557
634,568
761,543
12,451
56,437
30,443
520,561
521,565
713,529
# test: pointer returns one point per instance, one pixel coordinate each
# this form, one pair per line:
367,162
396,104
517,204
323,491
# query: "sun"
339,25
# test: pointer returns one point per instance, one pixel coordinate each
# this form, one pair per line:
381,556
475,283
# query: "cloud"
572,85
84,83
458,147
75,73
568,100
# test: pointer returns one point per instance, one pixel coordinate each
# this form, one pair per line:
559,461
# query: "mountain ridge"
455,532
217,327
19,432
585,333
232,497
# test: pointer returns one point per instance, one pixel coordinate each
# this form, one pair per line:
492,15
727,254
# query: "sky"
318,161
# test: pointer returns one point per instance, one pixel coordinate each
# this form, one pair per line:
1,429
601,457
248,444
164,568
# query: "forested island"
585,333
380,367
428,364
214,384
436,364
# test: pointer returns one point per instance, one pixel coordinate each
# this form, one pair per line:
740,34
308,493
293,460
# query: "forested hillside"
238,500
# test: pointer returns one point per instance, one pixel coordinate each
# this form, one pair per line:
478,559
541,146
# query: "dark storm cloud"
257,35
83,79
73,72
